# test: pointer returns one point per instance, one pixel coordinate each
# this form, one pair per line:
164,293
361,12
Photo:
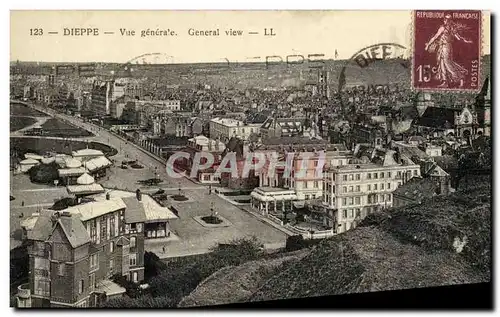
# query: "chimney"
138,194
108,196
54,218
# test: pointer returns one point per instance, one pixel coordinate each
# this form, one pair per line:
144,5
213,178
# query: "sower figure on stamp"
448,71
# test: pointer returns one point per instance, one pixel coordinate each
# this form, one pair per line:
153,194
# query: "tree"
152,265
44,173
64,203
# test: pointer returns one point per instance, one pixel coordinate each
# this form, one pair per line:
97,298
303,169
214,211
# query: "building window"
375,187
358,188
344,177
315,163
345,213
132,242
351,201
382,175
369,175
305,184
344,201
80,287
351,189
112,226
93,231
94,261
352,213
415,172
351,177
92,281
111,266
388,185
306,197
389,174
358,200
133,259
382,186
398,174
316,184
111,247
313,196
103,228
344,189
358,177
375,175
61,269
388,197
135,277
133,226
369,187
42,287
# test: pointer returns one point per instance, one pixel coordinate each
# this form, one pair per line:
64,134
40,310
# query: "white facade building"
353,191
225,129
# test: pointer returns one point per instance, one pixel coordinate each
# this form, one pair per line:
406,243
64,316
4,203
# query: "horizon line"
193,62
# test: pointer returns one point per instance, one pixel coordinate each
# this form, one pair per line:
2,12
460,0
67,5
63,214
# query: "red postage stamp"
446,50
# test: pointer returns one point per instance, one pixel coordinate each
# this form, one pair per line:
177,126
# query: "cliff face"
444,241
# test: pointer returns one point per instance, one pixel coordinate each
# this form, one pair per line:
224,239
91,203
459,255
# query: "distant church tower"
323,87
483,107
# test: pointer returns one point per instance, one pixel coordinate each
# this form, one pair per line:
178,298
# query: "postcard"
171,159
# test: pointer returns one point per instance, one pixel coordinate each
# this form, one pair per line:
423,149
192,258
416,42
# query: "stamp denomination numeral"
424,73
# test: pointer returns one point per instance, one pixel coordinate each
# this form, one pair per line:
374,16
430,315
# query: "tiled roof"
72,163
29,161
437,117
87,152
97,208
74,230
134,209
416,189
146,210
71,171
43,226
97,163
79,189
109,288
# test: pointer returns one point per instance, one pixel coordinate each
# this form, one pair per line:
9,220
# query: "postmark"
446,50
372,75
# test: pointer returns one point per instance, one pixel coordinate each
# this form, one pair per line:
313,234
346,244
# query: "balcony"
23,291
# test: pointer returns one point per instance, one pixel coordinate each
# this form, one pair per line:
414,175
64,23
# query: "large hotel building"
354,190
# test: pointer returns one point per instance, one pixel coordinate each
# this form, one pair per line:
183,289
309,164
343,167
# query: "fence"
275,219
306,234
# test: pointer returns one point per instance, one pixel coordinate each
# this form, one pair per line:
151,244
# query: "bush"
64,203
294,243
44,173
152,265
180,278
140,302
132,289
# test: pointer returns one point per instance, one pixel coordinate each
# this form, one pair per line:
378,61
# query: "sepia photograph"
195,159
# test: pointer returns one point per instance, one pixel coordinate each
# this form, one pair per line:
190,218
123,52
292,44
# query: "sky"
297,33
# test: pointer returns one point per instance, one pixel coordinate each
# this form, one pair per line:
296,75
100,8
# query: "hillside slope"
444,241
237,283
